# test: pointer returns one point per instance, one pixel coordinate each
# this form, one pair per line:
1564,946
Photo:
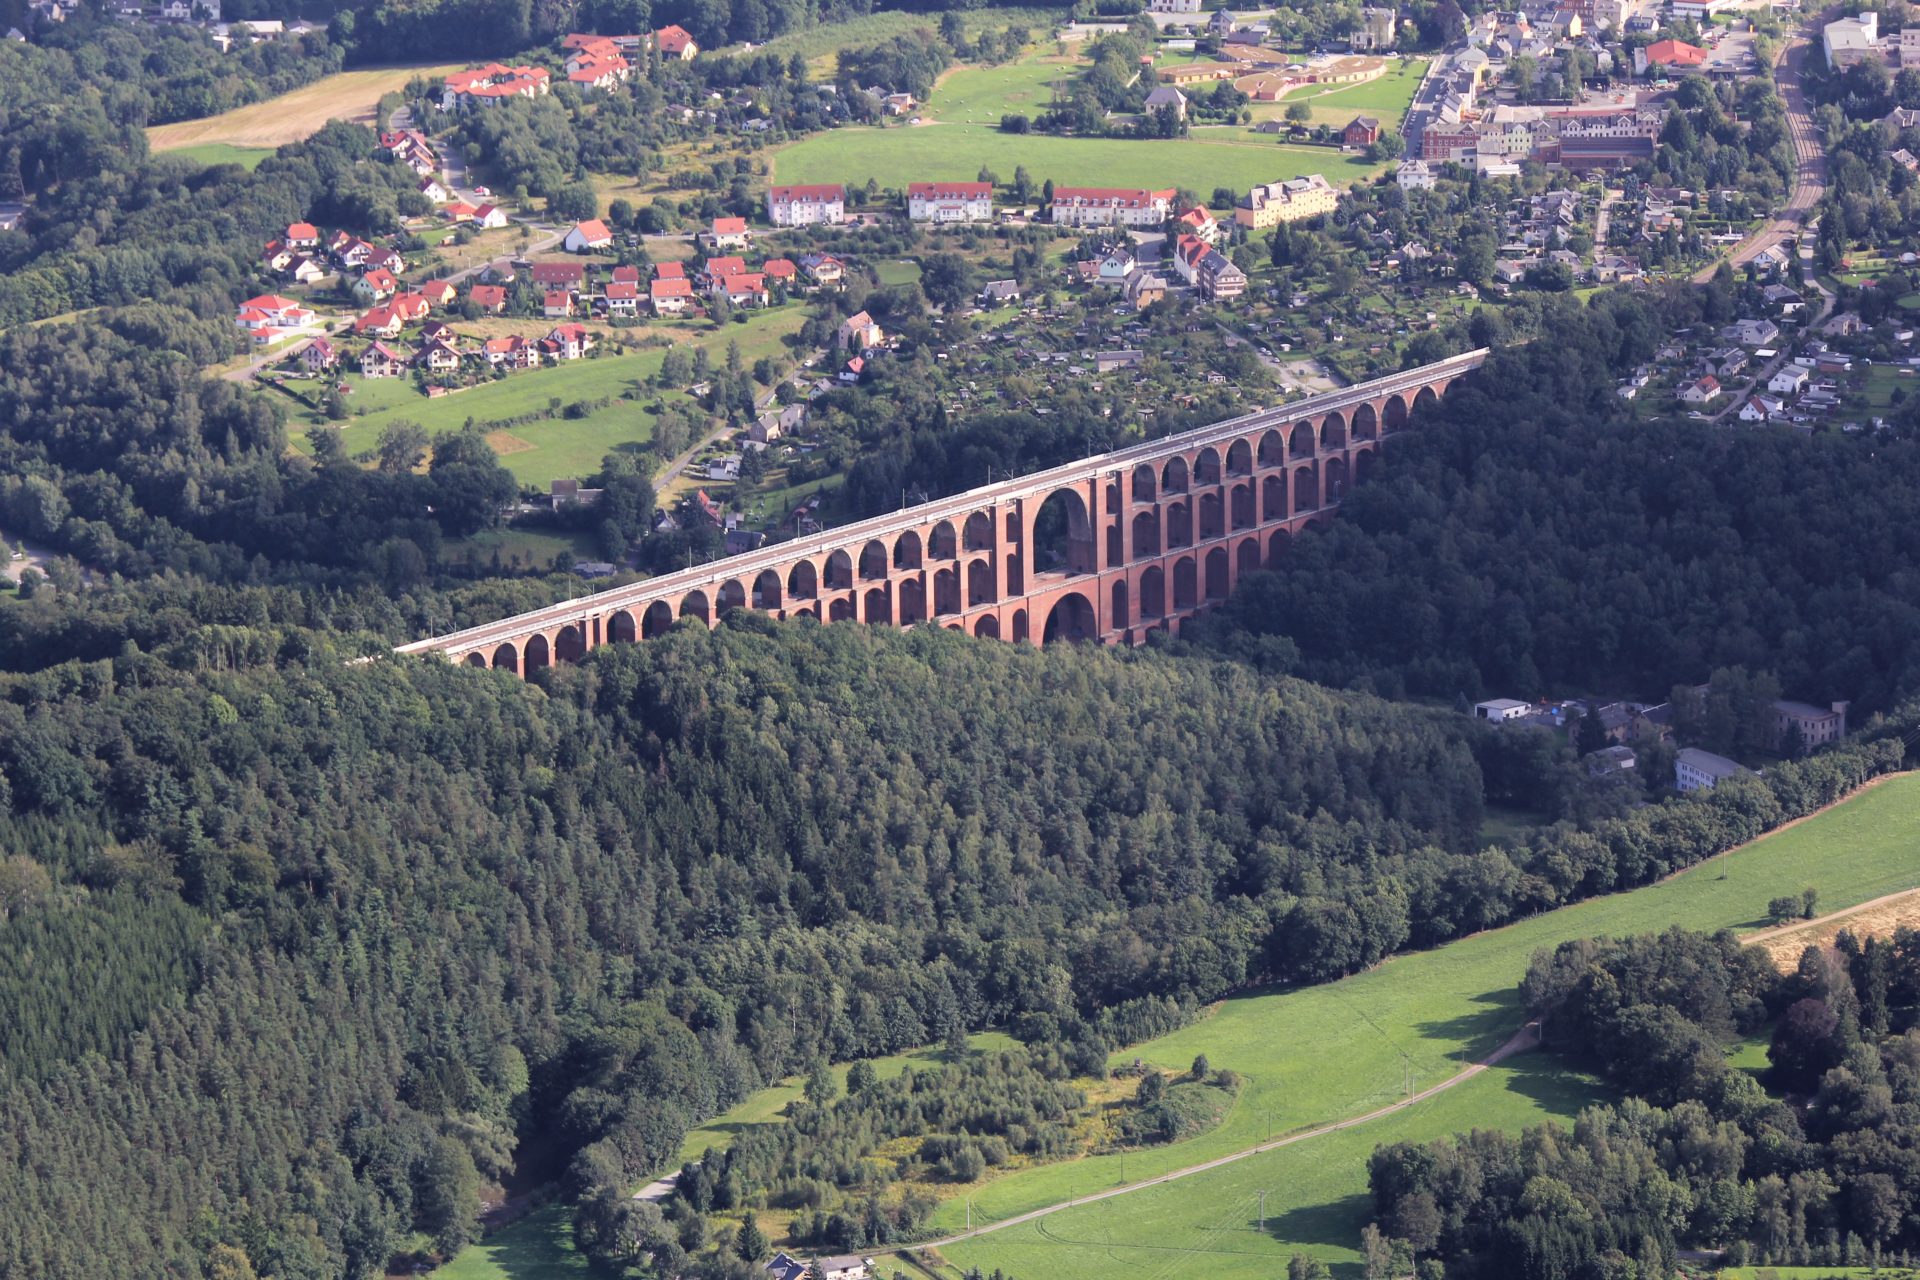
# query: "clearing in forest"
349,95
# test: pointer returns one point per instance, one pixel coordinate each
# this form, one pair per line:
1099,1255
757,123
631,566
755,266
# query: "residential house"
440,293
379,322
1727,362
1198,222
382,361
302,236
439,356
625,274
727,233
432,190
493,84
1361,131
490,298
1414,175
320,355
382,258
489,217
1110,207
1613,268
718,269
1703,390
459,211
1760,408
1787,300
568,342
1167,97
780,271
622,299
898,104
1143,289
1125,358
556,304
858,332
1671,55
1817,725
670,296
349,251
823,269
587,236
1790,380
272,311
438,331
410,306
743,289
999,292
1752,333
950,201
851,371
807,205
513,352
548,276
1116,265
1697,770
1286,201
783,1266
1208,270
675,43
1501,710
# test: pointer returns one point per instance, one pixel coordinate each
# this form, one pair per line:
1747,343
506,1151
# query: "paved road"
1526,1038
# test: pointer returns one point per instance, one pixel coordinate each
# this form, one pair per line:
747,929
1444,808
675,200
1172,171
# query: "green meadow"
213,153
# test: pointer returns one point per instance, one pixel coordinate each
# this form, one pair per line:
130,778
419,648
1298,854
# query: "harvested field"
350,95
1880,918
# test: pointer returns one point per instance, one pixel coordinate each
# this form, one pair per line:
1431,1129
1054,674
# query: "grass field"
1321,1053
349,95
981,95
538,1247
818,44
1818,1273
212,153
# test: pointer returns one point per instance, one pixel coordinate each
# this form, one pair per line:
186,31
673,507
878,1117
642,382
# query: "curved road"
1526,1038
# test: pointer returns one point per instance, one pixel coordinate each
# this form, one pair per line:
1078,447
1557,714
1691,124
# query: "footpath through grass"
1323,1053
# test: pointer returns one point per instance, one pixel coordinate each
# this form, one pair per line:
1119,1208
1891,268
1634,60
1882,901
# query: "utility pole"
1263,1209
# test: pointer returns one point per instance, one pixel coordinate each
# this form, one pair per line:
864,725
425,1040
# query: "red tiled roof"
815,191
622,289
672,39
1667,53
488,295
778,268
303,231
671,271
593,231
949,190
726,266
1129,197
729,226
668,288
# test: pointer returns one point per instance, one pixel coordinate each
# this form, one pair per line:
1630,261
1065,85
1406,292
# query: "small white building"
1415,175
1697,770
1500,710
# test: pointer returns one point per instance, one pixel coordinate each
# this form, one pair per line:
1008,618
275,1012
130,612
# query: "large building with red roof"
494,83
1110,207
950,201
806,206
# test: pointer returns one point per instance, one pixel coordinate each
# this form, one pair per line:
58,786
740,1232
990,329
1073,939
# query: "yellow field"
350,95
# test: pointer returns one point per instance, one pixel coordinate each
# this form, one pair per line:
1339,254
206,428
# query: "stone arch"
1020,626
954,626
1062,535
1273,449
1117,617
1273,497
1179,525
1303,444
1173,476
1146,533
1145,484
657,620
913,600
1278,544
1306,489
986,627
980,584
1423,401
1239,458
1206,467
1333,431
694,605
1213,515
539,653
873,561
1336,481
1113,497
570,644
946,592
1365,463
1186,584
621,628
1116,552
841,609
1241,512
475,659
943,543
1246,557
733,595
803,581
979,532
1219,574
907,551
876,605
1153,593
766,590
1394,417
1366,423
839,575
1071,619
506,658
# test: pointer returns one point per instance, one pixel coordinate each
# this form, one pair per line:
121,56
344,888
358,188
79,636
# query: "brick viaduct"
1107,549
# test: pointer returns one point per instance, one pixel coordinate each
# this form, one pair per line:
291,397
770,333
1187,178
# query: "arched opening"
766,590
803,581
906,551
1016,573
840,610
877,605
1179,525
621,628
1395,418
1186,586
507,658
695,606
733,595
1206,467
1153,593
475,659
1246,557
1113,497
1242,515
1020,626
873,561
1277,547
1302,445
1062,535
979,532
1273,450
913,602
1333,432
1173,476
1116,550
1218,578
987,627
1336,484
954,626
839,571
657,620
1213,516
539,653
1365,423
571,644
1239,458
1423,401
1117,617
943,543
1146,534
1273,497
1364,464
1071,619
1145,487
811,611
946,592
1306,490
980,588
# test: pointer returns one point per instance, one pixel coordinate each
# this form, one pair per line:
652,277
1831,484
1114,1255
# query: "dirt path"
1878,918
1526,1038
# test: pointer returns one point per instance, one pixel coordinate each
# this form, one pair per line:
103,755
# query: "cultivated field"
212,153
1322,1053
1875,920
350,95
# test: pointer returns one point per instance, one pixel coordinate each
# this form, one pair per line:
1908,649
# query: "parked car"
482,191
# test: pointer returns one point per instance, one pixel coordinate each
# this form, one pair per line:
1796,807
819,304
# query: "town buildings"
1110,207
950,201
807,205
1287,201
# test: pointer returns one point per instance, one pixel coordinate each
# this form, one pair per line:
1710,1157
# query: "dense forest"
1820,1167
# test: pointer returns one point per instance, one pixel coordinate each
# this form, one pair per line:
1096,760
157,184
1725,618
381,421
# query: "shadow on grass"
1492,1020
1550,1083
1335,1224
538,1247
